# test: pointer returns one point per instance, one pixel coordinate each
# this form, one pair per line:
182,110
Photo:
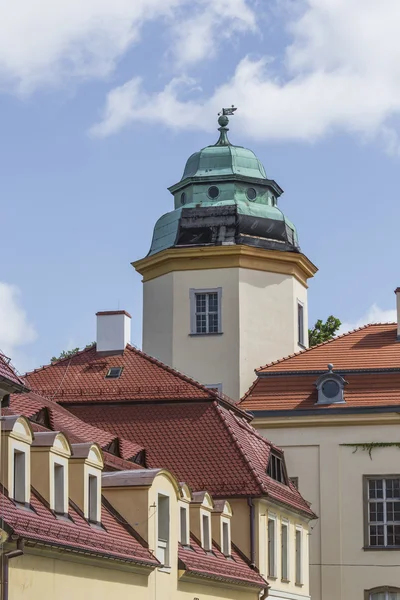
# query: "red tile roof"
204,444
368,358
9,375
59,419
41,525
214,565
82,378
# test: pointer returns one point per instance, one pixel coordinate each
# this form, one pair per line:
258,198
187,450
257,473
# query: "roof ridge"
301,352
171,370
240,447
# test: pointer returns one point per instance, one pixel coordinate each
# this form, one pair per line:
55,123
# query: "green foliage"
69,353
322,332
369,446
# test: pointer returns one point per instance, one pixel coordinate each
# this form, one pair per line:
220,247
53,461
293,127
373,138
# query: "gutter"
7,556
252,533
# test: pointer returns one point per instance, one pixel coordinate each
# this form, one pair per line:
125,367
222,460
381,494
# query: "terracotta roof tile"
217,566
204,444
41,525
368,358
82,378
8,373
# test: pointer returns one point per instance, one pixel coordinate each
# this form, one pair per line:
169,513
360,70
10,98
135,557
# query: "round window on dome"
213,192
183,198
251,194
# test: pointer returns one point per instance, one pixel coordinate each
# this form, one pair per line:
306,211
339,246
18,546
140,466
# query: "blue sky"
102,103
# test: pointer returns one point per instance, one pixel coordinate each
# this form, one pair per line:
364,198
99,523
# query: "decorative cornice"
222,257
290,421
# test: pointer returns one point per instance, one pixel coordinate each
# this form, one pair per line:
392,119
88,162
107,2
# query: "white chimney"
113,330
397,292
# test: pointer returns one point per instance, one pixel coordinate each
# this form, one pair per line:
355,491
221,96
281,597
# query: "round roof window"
213,192
183,198
330,388
251,194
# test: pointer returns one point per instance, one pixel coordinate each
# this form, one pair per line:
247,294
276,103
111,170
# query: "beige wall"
331,477
259,324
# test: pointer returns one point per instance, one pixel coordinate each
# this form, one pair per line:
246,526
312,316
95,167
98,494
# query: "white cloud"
15,329
46,42
340,73
373,315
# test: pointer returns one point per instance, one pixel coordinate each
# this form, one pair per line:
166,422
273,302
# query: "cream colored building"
339,428
225,282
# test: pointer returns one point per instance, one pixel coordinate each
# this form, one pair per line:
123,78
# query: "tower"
224,282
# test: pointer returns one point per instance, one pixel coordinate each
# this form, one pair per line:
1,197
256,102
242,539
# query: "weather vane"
223,122
227,111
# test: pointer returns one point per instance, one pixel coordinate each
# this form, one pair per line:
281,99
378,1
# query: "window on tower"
205,311
300,323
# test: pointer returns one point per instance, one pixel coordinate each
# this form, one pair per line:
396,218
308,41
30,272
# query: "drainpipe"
252,534
7,556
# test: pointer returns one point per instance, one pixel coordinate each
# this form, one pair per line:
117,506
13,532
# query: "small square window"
114,373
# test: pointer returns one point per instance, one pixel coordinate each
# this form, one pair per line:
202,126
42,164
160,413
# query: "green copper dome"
220,160
225,197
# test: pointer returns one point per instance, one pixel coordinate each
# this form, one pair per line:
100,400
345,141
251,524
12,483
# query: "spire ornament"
223,122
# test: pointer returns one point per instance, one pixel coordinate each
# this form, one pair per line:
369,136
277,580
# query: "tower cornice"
222,257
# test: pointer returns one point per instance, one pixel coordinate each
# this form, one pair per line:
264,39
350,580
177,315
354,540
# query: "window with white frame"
183,526
226,538
206,532
59,489
299,556
19,483
383,593
205,311
93,499
271,548
285,552
300,323
383,512
163,551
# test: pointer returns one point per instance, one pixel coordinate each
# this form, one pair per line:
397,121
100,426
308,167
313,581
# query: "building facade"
334,409
224,282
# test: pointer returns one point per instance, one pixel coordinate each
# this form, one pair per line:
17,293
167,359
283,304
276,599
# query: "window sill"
299,584
302,346
274,577
205,334
165,570
285,580
380,548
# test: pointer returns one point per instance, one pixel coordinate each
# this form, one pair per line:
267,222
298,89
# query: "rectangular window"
59,489
285,545
295,482
205,311
276,469
92,503
226,544
183,521
163,530
19,476
299,557
385,594
206,533
383,512
271,548
300,323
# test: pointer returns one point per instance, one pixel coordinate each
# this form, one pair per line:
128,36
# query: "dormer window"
163,535
19,491
183,517
114,373
226,538
206,527
276,468
59,489
330,387
93,514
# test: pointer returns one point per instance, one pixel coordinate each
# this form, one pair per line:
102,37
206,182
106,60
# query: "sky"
102,102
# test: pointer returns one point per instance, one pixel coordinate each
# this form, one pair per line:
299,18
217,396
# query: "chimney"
113,330
397,292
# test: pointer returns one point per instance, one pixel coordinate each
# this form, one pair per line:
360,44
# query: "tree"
69,353
322,332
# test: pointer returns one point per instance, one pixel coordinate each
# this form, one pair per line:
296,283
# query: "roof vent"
113,330
114,373
330,387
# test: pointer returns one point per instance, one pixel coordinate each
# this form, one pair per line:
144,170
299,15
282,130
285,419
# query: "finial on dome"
330,367
223,122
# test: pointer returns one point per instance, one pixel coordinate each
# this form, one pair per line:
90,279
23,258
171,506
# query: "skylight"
114,373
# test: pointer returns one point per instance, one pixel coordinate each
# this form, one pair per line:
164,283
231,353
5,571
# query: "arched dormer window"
330,387
383,593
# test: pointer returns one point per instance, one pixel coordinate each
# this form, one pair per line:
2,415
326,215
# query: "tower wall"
258,322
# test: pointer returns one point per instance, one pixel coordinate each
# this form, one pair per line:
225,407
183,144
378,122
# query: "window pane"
201,303
392,488
213,323
225,539
376,512
213,302
163,529
393,595
298,557
183,520
300,323
284,536
201,323
375,488
378,596
271,547
393,535
393,511
376,536
19,476
206,532
93,516
59,489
